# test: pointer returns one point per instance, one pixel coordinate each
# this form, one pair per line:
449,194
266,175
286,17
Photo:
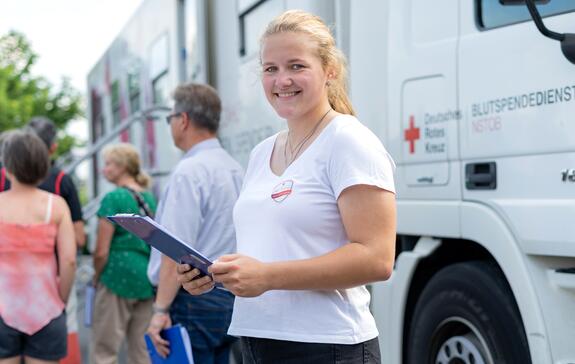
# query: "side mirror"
567,39
522,2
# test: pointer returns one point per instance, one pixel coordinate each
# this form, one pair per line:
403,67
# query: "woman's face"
293,77
112,171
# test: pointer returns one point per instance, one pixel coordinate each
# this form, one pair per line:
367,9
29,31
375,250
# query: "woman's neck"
128,181
299,128
18,187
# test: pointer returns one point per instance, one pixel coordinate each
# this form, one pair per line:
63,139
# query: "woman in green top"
124,295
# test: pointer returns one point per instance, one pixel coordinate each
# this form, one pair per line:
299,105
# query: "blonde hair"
299,21
127,157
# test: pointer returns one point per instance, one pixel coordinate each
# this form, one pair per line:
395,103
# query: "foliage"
24,95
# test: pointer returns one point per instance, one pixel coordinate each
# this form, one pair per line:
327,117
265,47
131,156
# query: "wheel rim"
458,341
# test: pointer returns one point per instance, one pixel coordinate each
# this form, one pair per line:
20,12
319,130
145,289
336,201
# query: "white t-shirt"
295,216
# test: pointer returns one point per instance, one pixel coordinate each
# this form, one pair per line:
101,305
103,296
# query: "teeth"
286,94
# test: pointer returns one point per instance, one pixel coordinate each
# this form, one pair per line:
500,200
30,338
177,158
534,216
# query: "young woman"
123,304
315,220
37,257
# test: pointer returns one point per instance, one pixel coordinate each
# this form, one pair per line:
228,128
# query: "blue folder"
180,347
157,236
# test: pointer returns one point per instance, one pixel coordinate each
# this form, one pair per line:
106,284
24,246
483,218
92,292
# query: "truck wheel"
467,315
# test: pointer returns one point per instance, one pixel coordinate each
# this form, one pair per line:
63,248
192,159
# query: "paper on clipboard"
157,236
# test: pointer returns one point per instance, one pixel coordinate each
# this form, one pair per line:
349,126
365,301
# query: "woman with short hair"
37,257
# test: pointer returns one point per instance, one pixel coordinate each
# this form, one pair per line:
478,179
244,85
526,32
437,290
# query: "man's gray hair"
202,104
44,128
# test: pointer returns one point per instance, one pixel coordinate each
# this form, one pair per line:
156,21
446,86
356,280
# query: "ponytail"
143,179
337,86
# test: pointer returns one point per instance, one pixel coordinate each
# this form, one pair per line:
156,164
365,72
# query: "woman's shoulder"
59,206
116,195
347,129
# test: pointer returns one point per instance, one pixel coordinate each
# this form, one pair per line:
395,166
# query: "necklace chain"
294,151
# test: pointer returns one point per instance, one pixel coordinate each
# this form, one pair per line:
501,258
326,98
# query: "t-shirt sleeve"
109,205
359,158
70,194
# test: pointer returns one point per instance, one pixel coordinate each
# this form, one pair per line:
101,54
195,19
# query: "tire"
467,315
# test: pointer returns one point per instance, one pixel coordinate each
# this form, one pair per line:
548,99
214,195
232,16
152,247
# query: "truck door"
423,111
518,133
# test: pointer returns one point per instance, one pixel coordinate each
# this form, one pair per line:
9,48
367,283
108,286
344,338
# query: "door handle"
481,176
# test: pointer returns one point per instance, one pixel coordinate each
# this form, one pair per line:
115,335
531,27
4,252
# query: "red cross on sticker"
282,190
411,134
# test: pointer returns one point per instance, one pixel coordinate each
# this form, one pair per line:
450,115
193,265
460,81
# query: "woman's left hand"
242,275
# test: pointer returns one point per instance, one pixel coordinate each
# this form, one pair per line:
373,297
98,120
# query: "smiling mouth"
286,94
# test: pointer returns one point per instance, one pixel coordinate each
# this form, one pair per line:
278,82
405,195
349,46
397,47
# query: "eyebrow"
293,60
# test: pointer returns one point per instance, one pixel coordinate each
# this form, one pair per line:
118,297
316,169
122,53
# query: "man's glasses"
169,117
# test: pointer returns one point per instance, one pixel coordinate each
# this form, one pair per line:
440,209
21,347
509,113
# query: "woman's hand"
189,280
242,275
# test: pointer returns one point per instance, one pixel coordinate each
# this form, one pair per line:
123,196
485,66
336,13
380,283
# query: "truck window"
492,14
253,22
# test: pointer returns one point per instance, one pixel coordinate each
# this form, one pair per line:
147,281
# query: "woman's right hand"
188,278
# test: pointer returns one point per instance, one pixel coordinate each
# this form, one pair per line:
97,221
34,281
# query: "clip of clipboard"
157,236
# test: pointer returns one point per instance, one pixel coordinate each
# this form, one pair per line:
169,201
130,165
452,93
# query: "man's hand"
188,278
159,322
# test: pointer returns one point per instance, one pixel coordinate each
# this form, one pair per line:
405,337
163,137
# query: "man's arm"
168,287
70,194
183,223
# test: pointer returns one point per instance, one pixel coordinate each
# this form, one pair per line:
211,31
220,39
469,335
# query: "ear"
53,148
184,121
330,73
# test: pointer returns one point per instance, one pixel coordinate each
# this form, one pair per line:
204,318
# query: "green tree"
24,95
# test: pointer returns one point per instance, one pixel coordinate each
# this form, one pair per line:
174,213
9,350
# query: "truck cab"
480,122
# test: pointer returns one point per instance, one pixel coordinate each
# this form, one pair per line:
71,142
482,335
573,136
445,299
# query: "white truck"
476,106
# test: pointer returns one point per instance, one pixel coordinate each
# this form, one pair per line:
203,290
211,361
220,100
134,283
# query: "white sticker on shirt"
282,191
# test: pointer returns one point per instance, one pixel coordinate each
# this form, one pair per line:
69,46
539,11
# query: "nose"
283,79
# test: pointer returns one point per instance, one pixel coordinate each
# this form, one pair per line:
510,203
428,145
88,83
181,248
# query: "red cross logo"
411,134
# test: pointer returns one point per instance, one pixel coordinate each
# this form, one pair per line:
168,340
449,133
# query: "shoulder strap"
141,202
2,179
58,183
49,209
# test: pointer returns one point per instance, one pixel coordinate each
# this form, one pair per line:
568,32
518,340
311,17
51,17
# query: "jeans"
207,318
267,351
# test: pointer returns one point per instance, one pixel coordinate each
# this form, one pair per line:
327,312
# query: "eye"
297,66
270,69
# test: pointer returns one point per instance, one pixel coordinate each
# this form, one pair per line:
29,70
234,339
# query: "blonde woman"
315,220
123,304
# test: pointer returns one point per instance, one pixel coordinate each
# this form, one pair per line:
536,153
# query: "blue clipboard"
157,236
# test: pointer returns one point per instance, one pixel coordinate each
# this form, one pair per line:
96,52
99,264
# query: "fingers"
228,257
189,275
183,268
162,346
219,268
199,286
158,323
189,280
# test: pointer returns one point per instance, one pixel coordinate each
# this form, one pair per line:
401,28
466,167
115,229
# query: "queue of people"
294,240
